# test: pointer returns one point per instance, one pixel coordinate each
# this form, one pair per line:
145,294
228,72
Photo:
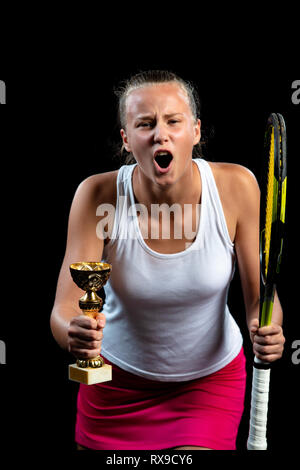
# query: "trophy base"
90,375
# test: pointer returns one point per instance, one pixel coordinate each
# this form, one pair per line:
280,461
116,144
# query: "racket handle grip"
257,439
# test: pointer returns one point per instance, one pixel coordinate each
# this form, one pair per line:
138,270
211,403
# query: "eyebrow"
150,116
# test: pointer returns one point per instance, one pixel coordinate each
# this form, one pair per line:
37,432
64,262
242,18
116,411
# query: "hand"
268,341
85,336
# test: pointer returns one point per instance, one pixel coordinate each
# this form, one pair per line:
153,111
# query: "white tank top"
167,317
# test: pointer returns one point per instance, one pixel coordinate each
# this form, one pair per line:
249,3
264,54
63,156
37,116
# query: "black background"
60,126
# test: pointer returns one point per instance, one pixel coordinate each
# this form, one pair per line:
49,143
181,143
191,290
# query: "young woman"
176,351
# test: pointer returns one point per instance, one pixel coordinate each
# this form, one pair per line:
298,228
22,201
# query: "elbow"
59,328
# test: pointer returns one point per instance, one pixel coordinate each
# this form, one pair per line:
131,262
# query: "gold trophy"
90,276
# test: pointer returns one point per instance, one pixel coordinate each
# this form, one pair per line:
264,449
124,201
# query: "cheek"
143,139
185,139
141,147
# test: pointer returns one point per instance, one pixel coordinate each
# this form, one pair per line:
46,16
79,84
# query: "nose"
160,133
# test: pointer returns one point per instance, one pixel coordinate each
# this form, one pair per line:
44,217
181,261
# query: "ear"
125,140
197,132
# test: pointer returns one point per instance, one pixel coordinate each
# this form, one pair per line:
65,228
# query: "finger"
79,344
85,353
84,334
270,330
268,358
269,339
84,322
101,320
265,350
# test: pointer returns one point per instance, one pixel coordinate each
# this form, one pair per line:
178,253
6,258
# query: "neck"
186,190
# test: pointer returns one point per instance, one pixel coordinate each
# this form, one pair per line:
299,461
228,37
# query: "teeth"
162,153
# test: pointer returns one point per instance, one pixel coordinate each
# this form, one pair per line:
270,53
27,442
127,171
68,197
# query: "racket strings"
269,202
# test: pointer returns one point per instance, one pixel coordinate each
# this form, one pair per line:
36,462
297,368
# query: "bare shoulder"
91,193
234,179
98,188
239,193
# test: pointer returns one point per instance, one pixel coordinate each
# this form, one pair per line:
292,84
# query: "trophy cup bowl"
91,277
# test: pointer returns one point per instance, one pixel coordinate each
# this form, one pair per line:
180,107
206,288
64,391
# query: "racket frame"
257,439
276,123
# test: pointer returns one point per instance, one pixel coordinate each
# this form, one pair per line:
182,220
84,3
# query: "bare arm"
268,341
70,328
247,240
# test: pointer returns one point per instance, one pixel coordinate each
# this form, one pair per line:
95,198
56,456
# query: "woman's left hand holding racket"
268,341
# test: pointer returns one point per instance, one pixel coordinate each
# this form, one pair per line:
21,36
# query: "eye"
173,121
144,124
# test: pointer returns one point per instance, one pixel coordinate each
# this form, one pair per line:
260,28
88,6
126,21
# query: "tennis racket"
273,204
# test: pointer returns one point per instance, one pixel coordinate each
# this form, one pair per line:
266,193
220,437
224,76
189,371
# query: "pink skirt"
133,413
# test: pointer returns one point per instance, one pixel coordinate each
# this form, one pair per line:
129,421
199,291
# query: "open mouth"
163,159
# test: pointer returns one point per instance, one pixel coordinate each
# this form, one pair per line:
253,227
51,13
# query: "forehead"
166,97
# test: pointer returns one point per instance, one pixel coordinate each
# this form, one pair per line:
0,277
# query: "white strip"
259,409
